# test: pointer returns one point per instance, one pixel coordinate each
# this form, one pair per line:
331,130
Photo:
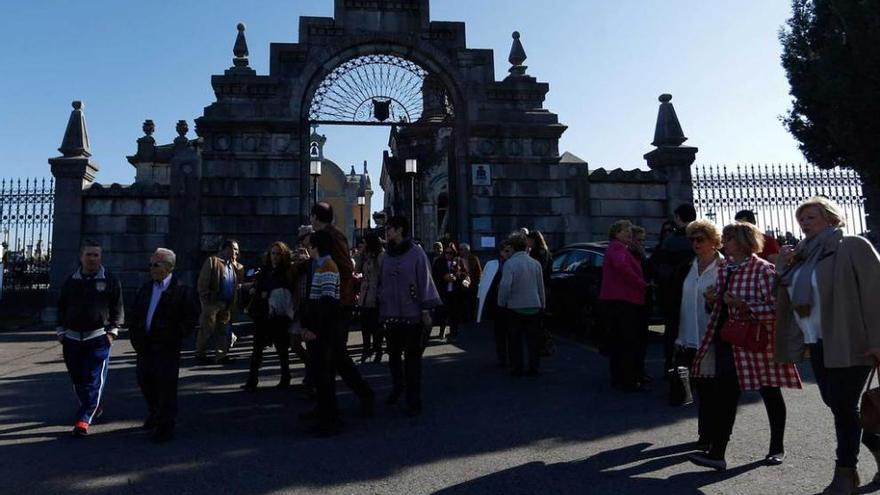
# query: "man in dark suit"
163,313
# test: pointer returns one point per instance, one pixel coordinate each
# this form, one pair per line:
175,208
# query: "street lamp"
362,200
411,166
315,172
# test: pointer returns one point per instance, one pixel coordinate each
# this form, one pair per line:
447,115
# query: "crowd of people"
740,313
303,299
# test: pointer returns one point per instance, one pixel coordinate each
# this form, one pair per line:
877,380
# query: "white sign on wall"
481,175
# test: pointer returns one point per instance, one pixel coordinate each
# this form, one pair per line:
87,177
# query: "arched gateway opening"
415,104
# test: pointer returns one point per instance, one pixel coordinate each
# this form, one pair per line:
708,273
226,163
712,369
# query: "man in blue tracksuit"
89,314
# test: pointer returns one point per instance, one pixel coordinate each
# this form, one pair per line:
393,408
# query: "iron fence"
773,192
26,211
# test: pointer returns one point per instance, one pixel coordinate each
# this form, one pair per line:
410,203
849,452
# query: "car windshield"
575,259
558,260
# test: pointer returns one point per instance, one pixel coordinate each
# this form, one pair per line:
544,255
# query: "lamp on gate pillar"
362,200
412,168
315,172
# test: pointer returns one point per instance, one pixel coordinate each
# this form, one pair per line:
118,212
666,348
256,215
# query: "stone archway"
254,172
427,122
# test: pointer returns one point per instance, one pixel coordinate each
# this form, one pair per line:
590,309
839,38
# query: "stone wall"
636,195
550,199
130,223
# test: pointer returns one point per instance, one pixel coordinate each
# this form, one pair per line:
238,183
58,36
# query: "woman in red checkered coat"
744,290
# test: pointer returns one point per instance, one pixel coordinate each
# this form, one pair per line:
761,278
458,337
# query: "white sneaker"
232,339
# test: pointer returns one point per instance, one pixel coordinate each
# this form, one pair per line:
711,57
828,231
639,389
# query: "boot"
253,376
284,382
251,384
845,482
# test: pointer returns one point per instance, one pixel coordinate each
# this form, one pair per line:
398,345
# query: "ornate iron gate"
773,192
26,210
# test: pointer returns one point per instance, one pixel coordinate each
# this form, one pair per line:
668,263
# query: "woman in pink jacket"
623,295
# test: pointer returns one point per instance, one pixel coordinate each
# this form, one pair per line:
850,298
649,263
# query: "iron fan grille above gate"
380,89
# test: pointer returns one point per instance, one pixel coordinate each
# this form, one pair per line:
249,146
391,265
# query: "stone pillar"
74,171
671,158
184,224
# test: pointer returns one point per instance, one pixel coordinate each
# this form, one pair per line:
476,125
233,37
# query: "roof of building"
569,157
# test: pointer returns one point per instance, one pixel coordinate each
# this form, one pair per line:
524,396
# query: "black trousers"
158,369
670,335
469,304
841,390
524,329
623,322
329,357
501,336
642,343
271,331
371,331
721,396
450,313
406,344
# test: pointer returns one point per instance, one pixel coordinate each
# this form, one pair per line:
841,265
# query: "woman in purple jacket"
406,296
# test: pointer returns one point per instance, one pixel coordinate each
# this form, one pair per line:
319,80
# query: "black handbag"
869,412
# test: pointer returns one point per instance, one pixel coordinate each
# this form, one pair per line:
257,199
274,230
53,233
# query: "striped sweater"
325,279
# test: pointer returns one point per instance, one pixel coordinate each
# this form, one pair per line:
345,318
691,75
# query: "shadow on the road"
602,473
233,442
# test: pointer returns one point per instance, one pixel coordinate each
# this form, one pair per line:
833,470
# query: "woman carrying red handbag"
743,298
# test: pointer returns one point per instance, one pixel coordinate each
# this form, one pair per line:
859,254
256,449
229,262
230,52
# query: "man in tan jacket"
218,285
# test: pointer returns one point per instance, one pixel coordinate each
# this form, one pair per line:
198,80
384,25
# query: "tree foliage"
831,54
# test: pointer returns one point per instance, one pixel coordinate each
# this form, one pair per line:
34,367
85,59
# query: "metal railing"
26,211
773,192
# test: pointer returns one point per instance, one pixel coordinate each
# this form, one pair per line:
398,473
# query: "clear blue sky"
606,63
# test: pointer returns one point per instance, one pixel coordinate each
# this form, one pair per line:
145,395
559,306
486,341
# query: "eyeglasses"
275,253
157,265
697,239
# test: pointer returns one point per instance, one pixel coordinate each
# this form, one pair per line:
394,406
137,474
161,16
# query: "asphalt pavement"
482,432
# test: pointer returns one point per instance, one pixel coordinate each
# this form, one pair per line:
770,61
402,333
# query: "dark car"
575,279
573,294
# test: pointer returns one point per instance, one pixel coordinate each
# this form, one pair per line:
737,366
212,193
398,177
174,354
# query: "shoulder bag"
869,413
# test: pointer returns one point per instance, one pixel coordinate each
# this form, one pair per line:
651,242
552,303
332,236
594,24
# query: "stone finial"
149,128
76,137
182,128
365,168
352,174
668,131
517,56
240,50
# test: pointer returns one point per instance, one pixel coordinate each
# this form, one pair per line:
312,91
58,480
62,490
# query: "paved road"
483,432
